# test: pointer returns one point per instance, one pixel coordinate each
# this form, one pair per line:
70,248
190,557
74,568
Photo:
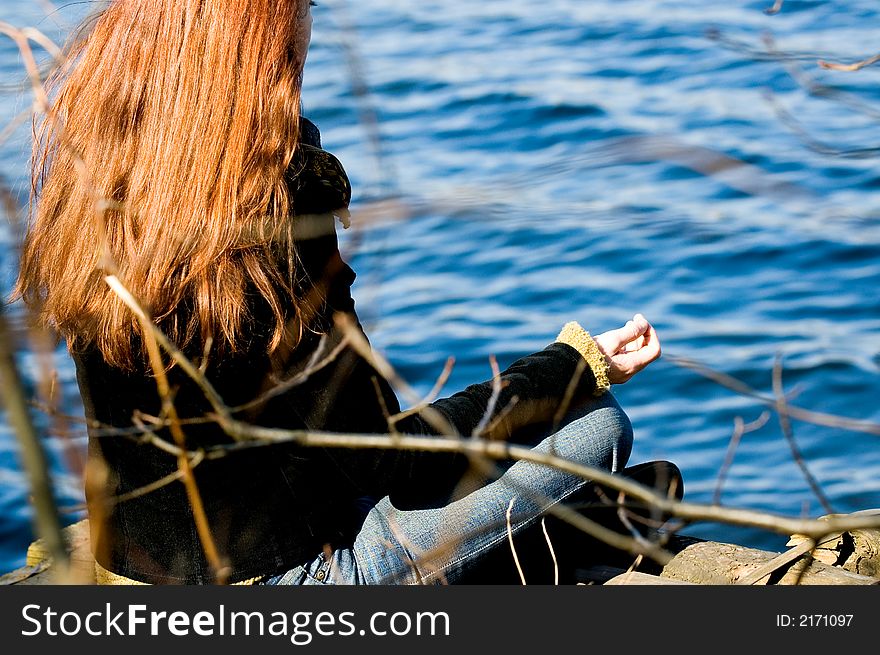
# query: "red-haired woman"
176,159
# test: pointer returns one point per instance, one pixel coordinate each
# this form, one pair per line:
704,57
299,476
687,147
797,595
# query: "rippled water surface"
517,165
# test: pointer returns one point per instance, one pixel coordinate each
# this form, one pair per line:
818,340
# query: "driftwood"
857,551
849,558
639,578
716,563
38,570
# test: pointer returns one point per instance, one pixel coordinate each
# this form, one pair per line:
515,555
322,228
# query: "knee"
620,433
609,430
598,433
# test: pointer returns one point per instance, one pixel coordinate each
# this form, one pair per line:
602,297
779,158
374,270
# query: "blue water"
517,165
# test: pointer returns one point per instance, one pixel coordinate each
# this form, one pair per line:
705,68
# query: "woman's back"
176,177
266,504
166,161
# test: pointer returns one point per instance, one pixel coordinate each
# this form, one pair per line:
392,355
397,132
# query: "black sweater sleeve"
535,391
532,391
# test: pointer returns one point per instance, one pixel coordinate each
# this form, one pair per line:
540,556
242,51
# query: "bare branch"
814,144
497,386
369,117
855,66
552,552
808,416
739,430
316,363
783,559
151,340
522,577
503,414
623,515
17,121
47,523
155,486
755,53
504,451
775,9
788,432
826,92
362,347
206,354
383,406
432,395
217,404
569,393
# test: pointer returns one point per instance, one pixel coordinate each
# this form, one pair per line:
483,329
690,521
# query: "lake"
517,165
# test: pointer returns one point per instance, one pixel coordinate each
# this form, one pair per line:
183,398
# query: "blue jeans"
444,545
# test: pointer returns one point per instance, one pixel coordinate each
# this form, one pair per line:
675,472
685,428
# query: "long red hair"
173,124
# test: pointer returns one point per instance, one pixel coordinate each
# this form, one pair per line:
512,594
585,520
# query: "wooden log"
715,563
865,555
28,575
762,573
82,564
598,574
639,578
841,559
855,550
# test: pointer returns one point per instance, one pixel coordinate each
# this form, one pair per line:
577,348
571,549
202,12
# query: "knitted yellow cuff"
579,339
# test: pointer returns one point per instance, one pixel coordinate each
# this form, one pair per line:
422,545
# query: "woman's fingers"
625,362
614,341
650,348
652,342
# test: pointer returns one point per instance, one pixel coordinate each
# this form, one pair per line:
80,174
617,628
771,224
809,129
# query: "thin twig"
154,486
786,118
206,354
522,576
316,363
500,450
497,386
775,9
47,523
383,406
552,552
754,53
217,404
632,567
192,491
765,570
362,347
788,432
739,429
826,92
569,394
505,411
18,120
855,66
623,515
808,416
432,395
420,556
369,117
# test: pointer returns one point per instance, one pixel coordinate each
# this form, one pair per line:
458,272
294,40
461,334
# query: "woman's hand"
629,349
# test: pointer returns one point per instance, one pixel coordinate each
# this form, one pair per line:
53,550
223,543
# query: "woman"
176,159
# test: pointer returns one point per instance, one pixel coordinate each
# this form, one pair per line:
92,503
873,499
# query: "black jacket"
274,506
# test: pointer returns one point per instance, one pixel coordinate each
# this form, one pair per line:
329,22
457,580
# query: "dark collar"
309,132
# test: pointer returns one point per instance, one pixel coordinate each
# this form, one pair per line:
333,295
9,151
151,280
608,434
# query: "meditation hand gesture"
629,349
